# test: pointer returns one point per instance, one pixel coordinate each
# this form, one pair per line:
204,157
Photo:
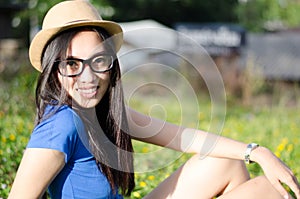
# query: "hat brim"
42,38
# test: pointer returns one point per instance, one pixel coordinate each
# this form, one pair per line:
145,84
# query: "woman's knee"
258,187
216,175
220,166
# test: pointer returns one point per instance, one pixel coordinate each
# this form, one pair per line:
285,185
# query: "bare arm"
158,132
188,140
37,169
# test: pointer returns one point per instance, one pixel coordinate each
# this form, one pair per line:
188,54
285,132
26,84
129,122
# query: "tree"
271,15
38,8
169,12
255,15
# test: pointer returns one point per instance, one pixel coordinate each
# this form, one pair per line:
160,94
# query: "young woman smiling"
81,144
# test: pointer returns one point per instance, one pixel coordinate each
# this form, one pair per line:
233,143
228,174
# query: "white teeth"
87,91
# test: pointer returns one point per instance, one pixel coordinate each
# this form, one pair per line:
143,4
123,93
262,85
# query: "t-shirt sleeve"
57,132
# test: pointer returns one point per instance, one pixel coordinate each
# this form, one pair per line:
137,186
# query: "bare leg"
202,178
258,187
211,177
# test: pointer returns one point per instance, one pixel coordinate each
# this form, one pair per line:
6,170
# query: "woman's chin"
86,103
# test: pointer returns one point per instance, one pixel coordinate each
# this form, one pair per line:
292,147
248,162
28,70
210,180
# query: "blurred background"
240,35
255,44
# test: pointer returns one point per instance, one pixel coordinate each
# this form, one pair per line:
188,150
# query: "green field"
276,126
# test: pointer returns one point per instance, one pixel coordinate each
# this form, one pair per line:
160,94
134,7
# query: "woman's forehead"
86,43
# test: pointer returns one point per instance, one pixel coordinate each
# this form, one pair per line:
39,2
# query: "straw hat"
66,15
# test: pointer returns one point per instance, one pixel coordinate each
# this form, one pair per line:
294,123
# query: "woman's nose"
87,75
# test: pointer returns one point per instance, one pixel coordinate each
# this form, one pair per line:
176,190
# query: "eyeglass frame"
85,62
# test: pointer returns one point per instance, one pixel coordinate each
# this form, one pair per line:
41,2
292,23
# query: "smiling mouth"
88,92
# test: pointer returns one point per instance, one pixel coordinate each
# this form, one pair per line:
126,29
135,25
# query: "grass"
276,126
16,122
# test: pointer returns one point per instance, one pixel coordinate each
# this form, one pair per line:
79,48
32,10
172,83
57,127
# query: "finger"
277,185
290,180
294,185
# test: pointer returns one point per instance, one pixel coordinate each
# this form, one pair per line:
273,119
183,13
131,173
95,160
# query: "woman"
81,146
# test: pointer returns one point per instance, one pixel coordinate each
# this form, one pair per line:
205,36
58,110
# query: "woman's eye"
99,60
72,64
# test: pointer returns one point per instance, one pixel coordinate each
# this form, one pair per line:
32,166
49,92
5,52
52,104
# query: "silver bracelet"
250,148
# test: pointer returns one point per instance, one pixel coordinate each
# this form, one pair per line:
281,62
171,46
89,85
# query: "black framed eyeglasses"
71,67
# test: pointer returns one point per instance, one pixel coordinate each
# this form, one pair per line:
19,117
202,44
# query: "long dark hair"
110,111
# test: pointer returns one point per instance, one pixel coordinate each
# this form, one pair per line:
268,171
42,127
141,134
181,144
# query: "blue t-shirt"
80,177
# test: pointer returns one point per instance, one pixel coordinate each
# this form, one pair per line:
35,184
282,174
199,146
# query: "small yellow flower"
145,149
143,184
1,152
136,194
280,147
12,137
151,177
277,153
282,144
3,139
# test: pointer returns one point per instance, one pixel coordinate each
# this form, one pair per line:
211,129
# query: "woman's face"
88,88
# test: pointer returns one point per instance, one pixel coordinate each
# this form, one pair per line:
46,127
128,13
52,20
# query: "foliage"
173,11
271,15
38,8
254,15
16,122
169,12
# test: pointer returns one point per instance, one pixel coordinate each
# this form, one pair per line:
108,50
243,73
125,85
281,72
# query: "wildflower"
136,194
282,144
280,147
151,177
3,139
143,184
277,153
145,149
12,137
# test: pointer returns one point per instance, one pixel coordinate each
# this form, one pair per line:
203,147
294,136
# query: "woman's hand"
276,171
